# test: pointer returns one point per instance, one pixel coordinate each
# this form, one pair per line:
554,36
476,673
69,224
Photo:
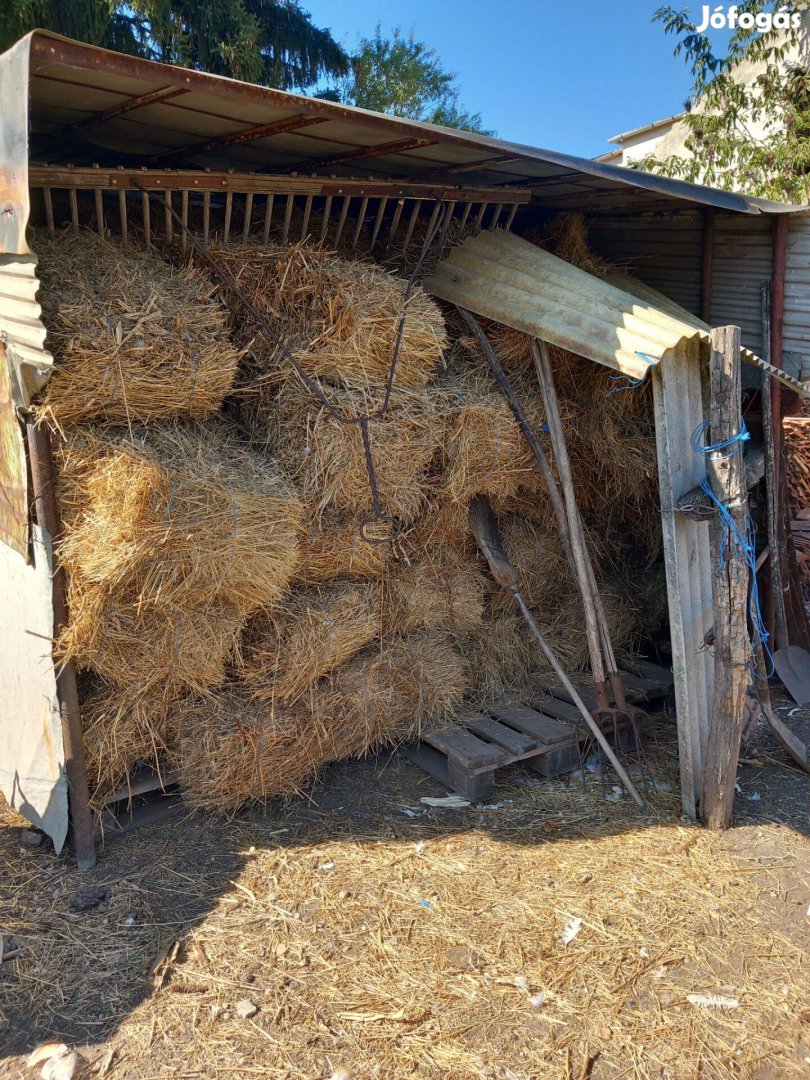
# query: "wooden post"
678,400
732,651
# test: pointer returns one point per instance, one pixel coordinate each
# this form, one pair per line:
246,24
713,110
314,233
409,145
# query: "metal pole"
42,476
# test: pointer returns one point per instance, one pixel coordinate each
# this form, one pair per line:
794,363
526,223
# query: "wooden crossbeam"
358,153
121,179
239,138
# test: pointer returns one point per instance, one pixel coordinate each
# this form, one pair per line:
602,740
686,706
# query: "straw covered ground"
133,337
357,932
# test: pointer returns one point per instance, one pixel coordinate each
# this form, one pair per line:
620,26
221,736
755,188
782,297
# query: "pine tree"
272,42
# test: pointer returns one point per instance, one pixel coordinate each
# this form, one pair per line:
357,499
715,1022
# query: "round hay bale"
387,695
326,458
133,337
121,730
177,514
316,632
442,594
234,750
340,319
333,549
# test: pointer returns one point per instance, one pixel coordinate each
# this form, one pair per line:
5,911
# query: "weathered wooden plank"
546,731
513,741
732,649
460,745
557,709
434,763
678,404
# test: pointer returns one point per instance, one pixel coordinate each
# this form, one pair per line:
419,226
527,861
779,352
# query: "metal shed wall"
741,263
664,250
796,340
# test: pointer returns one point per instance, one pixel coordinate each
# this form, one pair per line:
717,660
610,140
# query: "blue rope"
735,442
741,541
631,384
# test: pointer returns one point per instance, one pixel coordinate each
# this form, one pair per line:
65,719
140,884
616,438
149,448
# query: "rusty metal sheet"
13,486
506,278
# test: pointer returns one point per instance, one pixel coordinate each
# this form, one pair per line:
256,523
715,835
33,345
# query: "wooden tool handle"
485,530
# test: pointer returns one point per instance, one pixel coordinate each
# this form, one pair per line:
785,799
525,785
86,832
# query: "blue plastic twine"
742,543
631,384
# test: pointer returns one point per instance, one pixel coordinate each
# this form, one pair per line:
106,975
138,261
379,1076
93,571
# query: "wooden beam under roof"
246,135
123,179
359,153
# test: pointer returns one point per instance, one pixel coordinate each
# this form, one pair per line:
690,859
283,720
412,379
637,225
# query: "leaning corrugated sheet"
505,278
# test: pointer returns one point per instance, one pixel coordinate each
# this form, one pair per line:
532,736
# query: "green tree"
404,77
272,42
749,134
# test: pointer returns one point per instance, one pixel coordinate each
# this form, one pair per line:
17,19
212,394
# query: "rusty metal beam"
239,138
47,513
359,153
139,102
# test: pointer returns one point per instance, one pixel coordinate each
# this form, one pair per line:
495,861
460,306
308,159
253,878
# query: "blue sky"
564,76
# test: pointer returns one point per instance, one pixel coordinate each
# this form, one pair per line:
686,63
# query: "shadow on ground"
76,975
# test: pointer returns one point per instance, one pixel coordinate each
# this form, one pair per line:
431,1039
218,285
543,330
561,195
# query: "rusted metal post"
708,265
42,476
732,652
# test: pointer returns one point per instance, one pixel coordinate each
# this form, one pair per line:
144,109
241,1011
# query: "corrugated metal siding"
742,262
663,250
796,344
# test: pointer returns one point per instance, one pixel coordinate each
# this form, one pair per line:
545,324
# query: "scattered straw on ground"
133,337
374,943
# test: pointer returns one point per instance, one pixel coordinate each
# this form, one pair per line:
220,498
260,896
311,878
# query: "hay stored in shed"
388,695
339,319
484,449
326,460
177,514
160,648
442,594
314,633
334,549
133,337
235,750
121,730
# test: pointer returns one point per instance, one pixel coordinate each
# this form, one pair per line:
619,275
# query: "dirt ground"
359,932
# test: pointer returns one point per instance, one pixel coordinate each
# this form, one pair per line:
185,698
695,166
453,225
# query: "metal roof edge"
44,44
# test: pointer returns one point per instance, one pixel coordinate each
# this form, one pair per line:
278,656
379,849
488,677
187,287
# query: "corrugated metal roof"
94,105
506,278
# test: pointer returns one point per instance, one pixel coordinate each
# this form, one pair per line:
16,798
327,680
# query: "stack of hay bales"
237,629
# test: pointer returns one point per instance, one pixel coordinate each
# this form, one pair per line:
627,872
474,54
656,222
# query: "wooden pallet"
545,734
